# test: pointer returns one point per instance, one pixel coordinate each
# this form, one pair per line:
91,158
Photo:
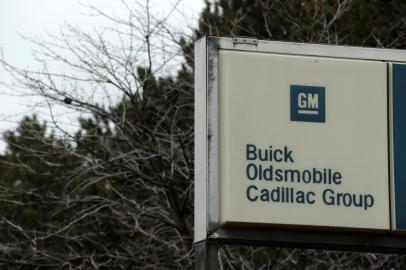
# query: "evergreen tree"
371,23
118,194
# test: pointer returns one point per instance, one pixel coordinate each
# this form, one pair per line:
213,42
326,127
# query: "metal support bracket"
244,40
206,255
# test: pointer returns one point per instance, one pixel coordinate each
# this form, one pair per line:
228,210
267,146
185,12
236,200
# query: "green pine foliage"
118,194
373,23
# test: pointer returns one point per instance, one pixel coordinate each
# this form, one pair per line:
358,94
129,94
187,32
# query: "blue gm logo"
307,103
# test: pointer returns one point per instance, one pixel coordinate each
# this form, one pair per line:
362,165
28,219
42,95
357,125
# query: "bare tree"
125,199
118,192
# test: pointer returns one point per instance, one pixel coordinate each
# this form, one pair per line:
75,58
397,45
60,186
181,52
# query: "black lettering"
288,155
263,155
252,171
290,174
339,195
355,202
276,194
347,201
368,201
306,176
251,152
279,175
328,197
275,155
317,176
300,197
264,195
337,178
267,174
310,197
249,197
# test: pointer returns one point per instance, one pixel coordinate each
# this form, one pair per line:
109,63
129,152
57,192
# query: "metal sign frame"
208,233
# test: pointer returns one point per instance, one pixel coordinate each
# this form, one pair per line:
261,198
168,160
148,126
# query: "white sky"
36,17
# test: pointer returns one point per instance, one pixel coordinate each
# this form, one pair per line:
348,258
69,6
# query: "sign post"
298,145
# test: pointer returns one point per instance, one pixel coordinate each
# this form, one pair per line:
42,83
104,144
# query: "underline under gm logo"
307,103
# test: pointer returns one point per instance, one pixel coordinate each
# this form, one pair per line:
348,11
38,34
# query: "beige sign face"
303,141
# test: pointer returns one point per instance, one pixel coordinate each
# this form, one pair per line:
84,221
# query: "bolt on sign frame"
240,83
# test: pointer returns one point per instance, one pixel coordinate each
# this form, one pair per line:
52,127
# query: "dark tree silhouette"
118,192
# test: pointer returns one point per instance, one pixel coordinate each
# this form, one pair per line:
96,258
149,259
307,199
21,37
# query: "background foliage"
118,192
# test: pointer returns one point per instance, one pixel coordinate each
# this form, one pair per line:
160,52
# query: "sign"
398,83
307,103
304,140
298,146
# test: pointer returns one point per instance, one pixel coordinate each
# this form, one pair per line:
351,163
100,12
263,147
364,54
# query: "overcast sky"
36,17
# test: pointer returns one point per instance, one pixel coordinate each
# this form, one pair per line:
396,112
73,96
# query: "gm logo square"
307,103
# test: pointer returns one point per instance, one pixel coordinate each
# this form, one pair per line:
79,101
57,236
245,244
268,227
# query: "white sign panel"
302,141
